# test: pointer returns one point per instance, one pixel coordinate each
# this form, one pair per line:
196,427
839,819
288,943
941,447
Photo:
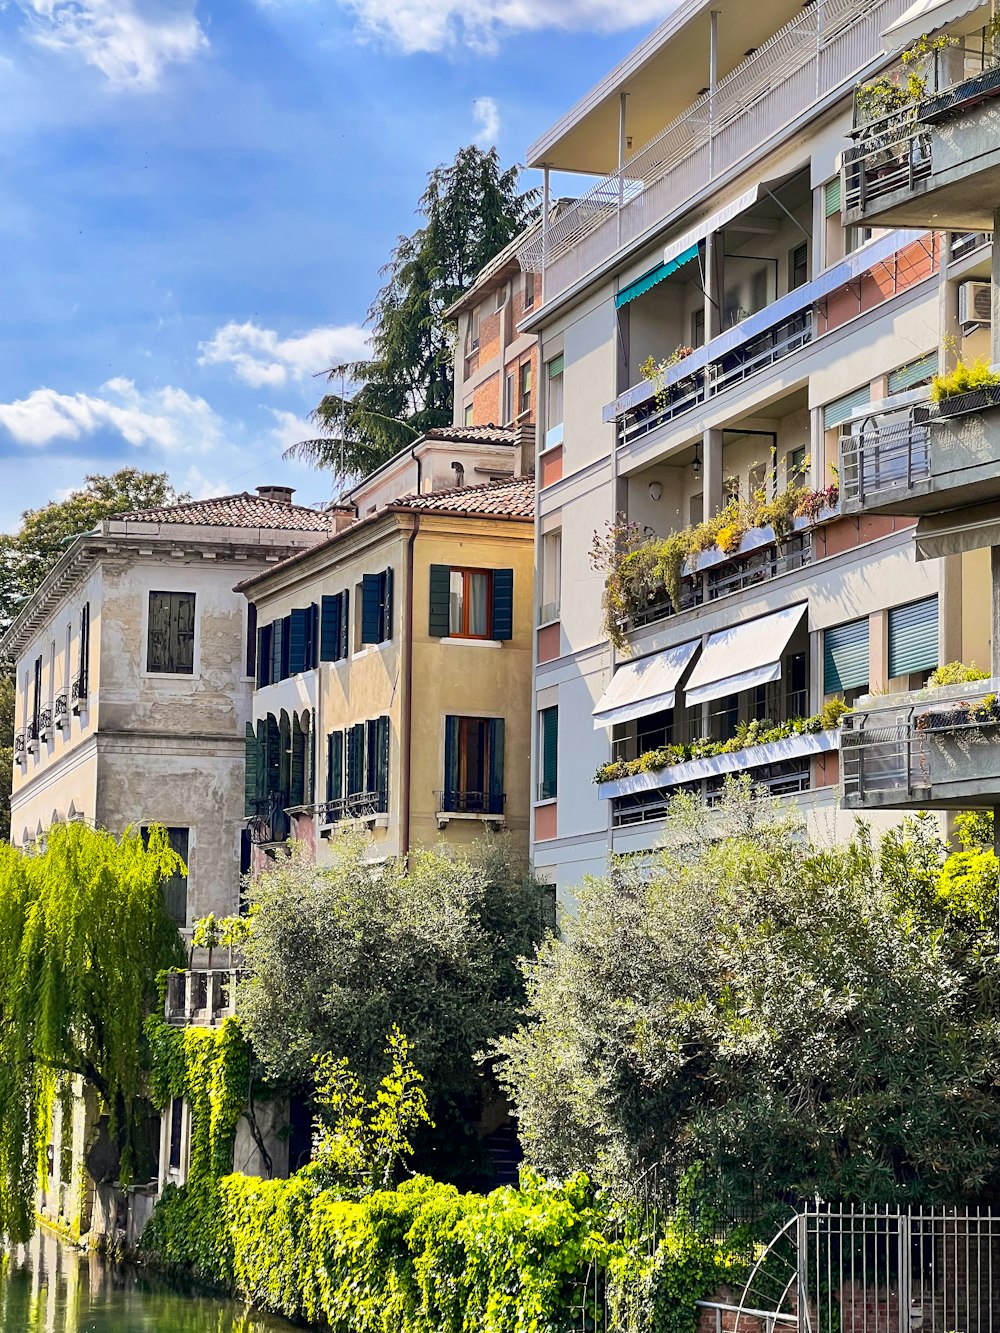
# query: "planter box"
973,400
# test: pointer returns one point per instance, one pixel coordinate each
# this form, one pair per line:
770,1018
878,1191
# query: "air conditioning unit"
975,301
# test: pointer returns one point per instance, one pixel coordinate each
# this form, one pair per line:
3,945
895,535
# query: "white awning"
971,529
744,656
926,17
643,687
713,223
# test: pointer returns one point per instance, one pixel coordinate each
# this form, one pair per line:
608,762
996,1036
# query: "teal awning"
655,275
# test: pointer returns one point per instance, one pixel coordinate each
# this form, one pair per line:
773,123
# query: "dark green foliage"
83,932
470,210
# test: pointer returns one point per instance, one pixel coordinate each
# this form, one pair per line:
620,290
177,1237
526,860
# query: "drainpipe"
420,473
546,207
406,730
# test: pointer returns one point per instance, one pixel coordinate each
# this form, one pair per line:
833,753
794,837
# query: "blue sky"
197,198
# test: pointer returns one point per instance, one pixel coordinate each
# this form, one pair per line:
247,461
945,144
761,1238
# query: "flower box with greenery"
643,572
968,388
749,735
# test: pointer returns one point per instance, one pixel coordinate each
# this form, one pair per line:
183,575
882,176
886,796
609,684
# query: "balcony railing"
20,748
821,50
201,997
884,457
788,778
269,824
357,805
78,692
471,802
60,709
44,723
778,331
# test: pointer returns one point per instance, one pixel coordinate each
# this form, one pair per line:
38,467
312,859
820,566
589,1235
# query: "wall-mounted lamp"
696,461
655,490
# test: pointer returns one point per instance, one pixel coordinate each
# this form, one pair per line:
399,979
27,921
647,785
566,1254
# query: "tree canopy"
470,209
83,933
805,1019
338,955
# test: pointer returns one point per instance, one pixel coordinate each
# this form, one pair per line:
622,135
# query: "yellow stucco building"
393,670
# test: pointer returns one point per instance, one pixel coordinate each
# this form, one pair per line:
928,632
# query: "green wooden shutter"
371,609
495,792
263,656
345,623
831,197
451,749
329,631
297,764
309,792
298,640
439,622
913,638
285,755
917,372
845,657
251,773
335,766
836,412
503,603
371,755
555,366
251,639
272,744
355,759
549,778
312,654
382,763
277,635
386,626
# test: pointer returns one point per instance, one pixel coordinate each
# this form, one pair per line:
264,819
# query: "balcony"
369,806
201,997
933,749
78,693
20,747
487,806
917,459
799,68
60,710
871,276
934,162
270,824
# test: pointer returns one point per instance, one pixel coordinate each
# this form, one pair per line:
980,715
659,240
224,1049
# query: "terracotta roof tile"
243,510
489,434
509,499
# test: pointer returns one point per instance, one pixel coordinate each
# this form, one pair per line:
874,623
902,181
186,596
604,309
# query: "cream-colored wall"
977,603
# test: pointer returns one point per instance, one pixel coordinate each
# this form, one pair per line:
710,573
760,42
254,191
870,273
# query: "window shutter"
503,603
345,623
158,657
371,611
335,766
272,743
451,748
355,758
182,631
382,762
309,748
263,656
845,657
495,793
251,639
838,411
312,656
84,676
329,632
251,773
285,757
917,372
913,638
386,626
555,366
286,636
297,769
550,753
439,625
371,755
831,197
298,641
277,634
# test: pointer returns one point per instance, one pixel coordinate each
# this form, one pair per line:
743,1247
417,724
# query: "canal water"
50,1287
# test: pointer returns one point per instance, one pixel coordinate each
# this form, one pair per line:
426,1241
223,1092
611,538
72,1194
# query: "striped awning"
645,686
654,276
742,656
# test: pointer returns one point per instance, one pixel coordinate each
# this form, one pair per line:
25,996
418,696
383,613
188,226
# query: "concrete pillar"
949,329
995,610
878,650
711,473
950,610
995,305
714,261
817,473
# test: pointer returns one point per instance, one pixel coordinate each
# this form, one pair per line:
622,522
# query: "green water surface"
50,1287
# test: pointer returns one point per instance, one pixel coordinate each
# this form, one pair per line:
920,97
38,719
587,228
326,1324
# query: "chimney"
524,450
279,495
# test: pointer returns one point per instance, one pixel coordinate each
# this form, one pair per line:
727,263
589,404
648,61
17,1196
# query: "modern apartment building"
134,685
715,316
393,661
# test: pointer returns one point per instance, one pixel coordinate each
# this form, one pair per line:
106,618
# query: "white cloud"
129,41
434,25
487,115
259,357
289,428
168,418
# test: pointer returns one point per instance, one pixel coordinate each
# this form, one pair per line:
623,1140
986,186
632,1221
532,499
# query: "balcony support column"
995,611
711,447
950,329
714,247
995,312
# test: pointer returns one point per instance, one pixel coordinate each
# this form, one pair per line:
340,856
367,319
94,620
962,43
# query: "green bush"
956,673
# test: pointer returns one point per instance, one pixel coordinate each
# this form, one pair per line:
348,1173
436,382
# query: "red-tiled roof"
243,510
506,499
488,434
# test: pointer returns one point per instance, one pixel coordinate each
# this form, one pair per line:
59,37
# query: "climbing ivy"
83,933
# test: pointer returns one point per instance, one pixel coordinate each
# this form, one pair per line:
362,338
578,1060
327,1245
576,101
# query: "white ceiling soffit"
926,17
644,686
743,656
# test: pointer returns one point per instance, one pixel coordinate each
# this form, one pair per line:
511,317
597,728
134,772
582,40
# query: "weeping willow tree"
83,934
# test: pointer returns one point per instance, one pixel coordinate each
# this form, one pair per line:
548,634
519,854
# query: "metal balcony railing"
201,997
886,455
19,745
60,709
471,802
783,779
78,690
356,805
44,721
820,51
269,823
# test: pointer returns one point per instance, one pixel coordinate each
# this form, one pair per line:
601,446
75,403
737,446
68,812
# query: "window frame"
148,668
463,633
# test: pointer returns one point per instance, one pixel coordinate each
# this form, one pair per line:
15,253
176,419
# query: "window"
376,607
911,376
796,686
471,603
913,640
36,700
845,657
473,765
474,330
468,413
170,641
175,889
795,466
654,731
548,753
82,681
357,770
501,297
551,581
176,1121
251,667
264,649
529,290
696,508
698,327
334,627
843,409
524,390
798,266
303,639
554,402
508,399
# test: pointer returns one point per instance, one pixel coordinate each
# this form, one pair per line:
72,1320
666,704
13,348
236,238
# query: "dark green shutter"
286,641
910,376
277,636
843,408
371,609
309,792
495,778
251,639
371,755
845,657
355,758
329,632
913,638
297,766
503,604
285,756
386,626
298,640
335,766
382,762
345,623
831,197
272,744
550,753
312,655
263,656
251,773
439,625
451,745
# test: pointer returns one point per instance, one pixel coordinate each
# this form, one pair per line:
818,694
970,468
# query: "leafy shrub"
974,375
956,673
